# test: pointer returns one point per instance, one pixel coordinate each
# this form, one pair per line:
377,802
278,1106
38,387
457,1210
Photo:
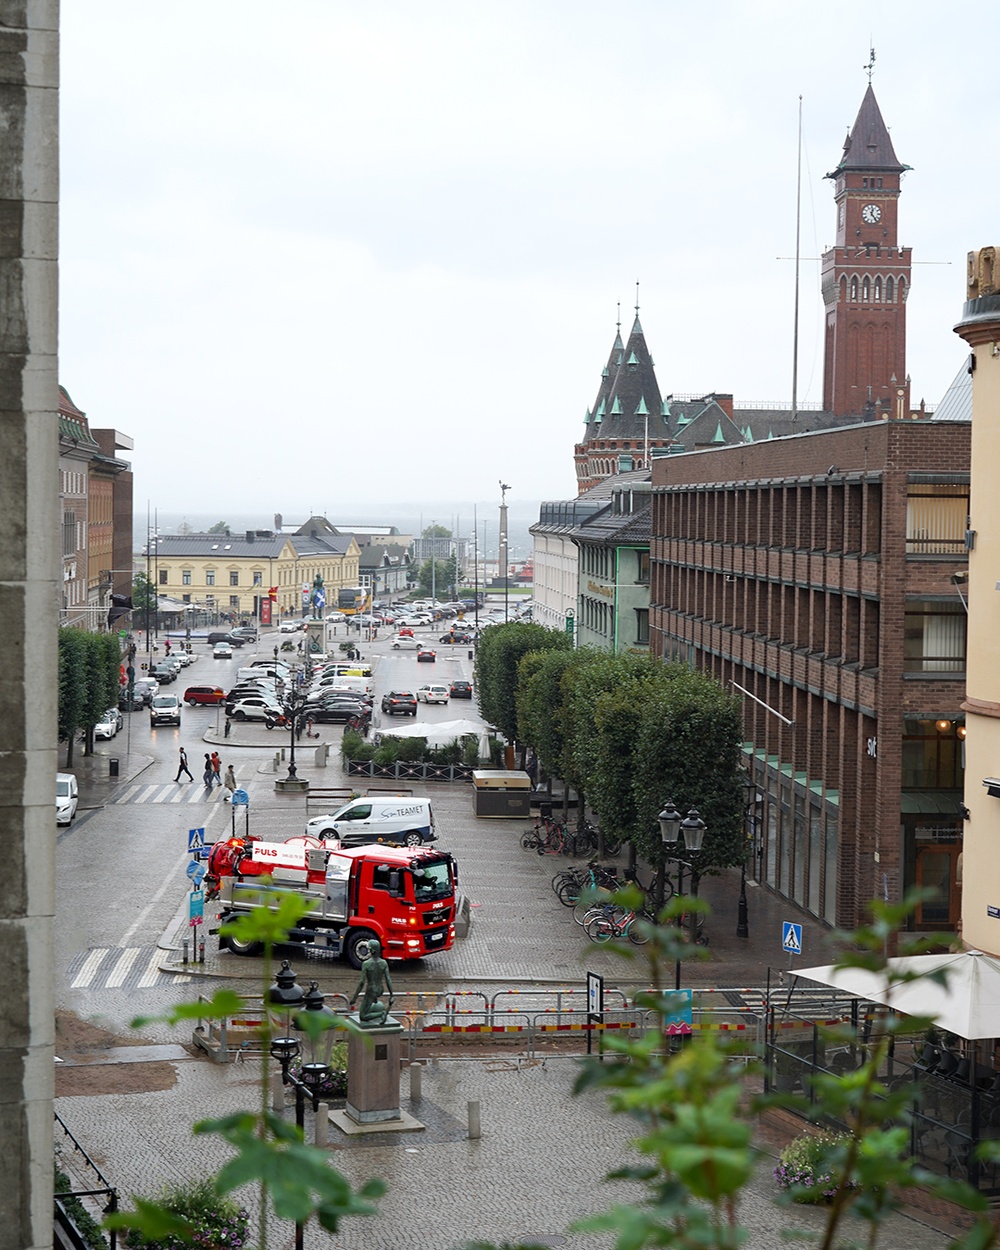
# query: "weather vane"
871,63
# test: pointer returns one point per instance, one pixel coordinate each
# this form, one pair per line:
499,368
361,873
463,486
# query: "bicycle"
606,927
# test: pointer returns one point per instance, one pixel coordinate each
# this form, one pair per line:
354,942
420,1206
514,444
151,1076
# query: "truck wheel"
354,939
243,948
414,839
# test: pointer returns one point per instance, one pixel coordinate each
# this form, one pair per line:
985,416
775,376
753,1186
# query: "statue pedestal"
373,1082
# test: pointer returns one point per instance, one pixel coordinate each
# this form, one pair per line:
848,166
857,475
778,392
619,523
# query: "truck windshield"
432,881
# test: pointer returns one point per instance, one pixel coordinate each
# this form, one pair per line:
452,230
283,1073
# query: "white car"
290,627
254,707
432,694
107,726
402,643
222,651
67,798
413,620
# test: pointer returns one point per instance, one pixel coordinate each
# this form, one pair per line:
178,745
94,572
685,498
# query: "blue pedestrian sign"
241,796
196,839
194,869
791,937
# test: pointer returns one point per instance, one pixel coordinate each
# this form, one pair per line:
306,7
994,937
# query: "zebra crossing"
171,792
121,967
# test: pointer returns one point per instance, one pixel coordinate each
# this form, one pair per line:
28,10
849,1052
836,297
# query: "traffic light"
272,594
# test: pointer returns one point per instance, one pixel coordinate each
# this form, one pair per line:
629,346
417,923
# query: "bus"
353,599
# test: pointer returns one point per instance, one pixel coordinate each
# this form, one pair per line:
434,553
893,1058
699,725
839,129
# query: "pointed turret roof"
607,376
634,391
868,146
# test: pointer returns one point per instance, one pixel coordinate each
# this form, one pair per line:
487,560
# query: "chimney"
725,402
250,536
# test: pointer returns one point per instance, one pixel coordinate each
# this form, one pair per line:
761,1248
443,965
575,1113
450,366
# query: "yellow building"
231,574
980,327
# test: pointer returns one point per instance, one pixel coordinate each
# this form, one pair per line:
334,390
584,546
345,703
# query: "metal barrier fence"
540,1016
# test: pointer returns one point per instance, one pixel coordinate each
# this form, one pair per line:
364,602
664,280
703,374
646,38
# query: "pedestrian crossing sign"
791,937
196,839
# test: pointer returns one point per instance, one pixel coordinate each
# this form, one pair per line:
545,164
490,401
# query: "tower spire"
871,63
637,297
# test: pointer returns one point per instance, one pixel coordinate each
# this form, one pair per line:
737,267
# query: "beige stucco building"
232,574
980,327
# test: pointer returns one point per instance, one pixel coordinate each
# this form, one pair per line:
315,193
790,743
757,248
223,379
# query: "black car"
235,639
426,656
460,689
337,713
401,702
458,636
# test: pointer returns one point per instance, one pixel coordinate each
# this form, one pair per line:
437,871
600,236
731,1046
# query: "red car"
204,694
405,631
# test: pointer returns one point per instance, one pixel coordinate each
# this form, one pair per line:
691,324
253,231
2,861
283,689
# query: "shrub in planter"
387,752
87,1226
413,749
353,746
215,1220
806,1167
449,754
335,1086
470,752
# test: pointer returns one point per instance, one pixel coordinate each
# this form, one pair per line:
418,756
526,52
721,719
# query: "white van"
67,798
401,821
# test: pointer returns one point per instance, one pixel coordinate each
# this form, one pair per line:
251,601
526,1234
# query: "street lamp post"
291,1003
295,709
671,827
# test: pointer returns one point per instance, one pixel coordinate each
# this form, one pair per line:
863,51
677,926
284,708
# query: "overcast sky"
319,254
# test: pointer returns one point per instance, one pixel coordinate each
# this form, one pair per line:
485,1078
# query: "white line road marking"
165,794
152,974
170,879
122,968
90,965
127,794
146,792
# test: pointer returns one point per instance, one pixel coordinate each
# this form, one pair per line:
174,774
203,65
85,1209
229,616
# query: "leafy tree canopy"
500,650
220,527
436,531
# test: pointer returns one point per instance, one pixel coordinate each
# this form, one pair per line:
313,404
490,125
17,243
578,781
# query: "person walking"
217,768
230,784
208,774
182,766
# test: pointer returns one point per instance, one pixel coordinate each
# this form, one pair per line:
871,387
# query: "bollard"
416,1081
277,1092
474,1124
185,944
277,761
322,1124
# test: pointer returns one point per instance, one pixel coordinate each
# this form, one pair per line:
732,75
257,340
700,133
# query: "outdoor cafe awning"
968,1004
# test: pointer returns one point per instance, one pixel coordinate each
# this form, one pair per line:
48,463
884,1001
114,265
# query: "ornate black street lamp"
289,1002
693,829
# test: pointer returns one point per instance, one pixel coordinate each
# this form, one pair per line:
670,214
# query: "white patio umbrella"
968,1004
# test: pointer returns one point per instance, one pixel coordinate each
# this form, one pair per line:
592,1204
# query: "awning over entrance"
968,1004
931,803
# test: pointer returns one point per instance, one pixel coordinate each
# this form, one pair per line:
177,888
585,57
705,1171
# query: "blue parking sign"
791,937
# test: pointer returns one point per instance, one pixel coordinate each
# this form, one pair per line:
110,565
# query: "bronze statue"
375,980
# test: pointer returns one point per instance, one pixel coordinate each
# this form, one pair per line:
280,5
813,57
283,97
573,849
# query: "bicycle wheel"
612,846
529,841
601,929
637,934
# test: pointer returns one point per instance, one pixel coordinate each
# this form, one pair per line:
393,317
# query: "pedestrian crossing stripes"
121,967
172,792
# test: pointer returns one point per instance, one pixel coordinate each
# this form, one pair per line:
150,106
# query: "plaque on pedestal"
373,1071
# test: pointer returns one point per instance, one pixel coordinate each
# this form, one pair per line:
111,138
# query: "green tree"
220,527
500,650
688,750
436,531
143,596
543,686
443,577
102,658
72,692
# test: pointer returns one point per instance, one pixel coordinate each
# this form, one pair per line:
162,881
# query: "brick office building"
815,574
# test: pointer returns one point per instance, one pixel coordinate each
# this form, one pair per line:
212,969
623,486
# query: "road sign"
595,994
194,869
196,907
196,839
241,797
791,937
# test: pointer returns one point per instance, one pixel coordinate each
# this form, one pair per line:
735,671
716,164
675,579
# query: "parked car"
290,627
399,702
165,710
457,636
107,726
247,632
254,707
338,711
222,651
426,656
164,673
135,704
432,694
204,694
146,687
67,798
461,689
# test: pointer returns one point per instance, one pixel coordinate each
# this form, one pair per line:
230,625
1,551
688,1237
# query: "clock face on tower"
871,214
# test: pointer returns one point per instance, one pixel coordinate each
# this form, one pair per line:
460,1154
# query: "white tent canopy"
968,1004
438,733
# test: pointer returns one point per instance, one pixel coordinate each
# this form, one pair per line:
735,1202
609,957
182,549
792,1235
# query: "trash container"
112,767
503,793
470,653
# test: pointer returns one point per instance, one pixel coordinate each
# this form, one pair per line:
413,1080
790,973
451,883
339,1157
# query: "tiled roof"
610,528
73,422
868,146
223,546
629,390
956,403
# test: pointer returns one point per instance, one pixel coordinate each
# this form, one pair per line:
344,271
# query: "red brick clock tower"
866,279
